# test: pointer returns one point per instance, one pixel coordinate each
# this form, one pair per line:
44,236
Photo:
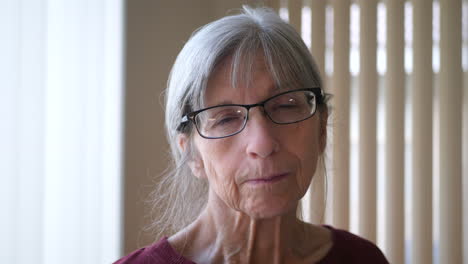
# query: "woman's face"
264,170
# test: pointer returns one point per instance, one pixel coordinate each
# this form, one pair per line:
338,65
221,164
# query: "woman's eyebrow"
224,102
271,92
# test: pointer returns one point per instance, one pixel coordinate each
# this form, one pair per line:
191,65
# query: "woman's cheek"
222,181
232,197
306,152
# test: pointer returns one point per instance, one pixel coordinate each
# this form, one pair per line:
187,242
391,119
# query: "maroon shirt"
347,248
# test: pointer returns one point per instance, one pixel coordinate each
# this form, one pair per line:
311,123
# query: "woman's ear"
195,162
323,129
197,168
182,141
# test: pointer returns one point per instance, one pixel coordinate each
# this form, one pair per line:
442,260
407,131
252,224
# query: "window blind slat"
340,88
318,34
275,5
295,14
422,100
450,95
318,51
368,120
395,94
10,51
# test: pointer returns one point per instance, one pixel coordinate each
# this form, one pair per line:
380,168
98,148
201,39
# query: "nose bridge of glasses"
260,106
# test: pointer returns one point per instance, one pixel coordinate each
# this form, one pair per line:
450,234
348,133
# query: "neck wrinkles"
240,238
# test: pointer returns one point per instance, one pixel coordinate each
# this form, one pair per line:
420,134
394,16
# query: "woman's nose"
259,135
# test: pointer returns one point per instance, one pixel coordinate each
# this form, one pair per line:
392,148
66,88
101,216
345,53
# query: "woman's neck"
240,237
223,235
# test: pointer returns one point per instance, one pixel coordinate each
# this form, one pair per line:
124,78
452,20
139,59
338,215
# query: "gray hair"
179,196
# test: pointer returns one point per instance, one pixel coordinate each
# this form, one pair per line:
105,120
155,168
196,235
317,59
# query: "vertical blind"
397,167
60,112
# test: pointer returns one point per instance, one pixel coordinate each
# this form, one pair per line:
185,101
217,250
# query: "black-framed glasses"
230,119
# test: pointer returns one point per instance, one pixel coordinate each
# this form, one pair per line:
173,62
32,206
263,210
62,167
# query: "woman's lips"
267,180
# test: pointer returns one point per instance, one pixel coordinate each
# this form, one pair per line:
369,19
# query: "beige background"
156,30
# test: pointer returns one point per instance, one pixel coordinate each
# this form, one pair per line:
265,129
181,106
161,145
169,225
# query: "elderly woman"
246,118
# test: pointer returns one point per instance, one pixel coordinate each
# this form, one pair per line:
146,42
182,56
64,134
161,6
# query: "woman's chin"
264,209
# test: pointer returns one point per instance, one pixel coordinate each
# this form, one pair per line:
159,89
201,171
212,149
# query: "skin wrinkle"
251,241
277,256
245,222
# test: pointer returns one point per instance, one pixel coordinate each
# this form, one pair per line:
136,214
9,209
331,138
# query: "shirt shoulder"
350,248
158,253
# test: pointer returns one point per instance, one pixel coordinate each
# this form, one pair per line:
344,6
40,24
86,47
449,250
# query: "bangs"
288,69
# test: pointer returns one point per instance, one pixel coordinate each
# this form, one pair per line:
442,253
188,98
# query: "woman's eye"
290,103
226,120
286,104
285,107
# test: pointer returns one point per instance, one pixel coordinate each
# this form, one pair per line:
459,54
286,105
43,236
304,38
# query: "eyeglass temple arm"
319,93
183,123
